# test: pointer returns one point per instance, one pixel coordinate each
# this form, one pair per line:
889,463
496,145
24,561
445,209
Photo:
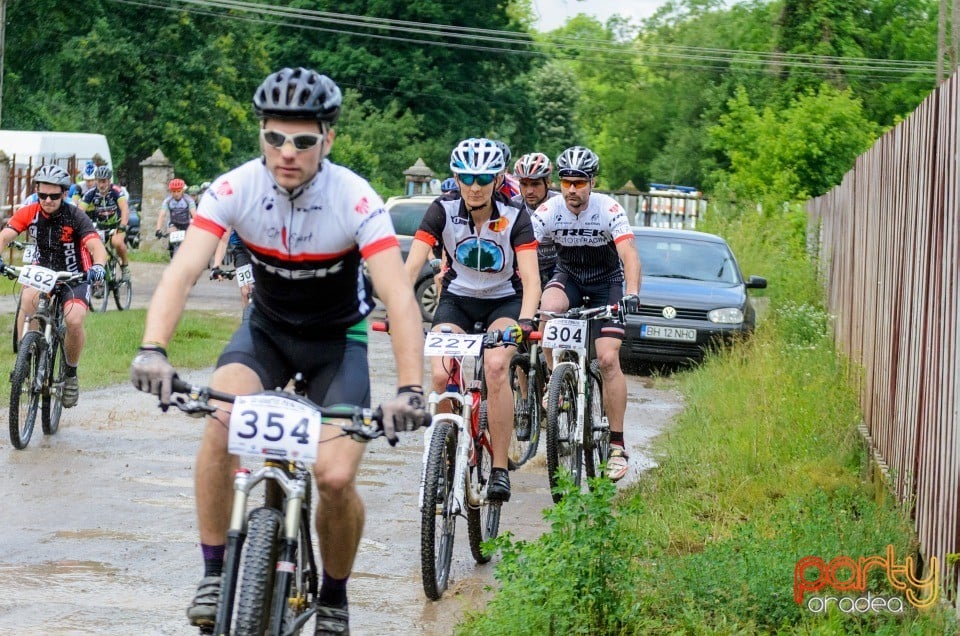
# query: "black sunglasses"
53,196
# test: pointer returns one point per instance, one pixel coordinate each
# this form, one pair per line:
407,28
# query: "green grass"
763,467
113,337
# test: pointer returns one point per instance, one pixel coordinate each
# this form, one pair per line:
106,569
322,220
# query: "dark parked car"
692,296
406,212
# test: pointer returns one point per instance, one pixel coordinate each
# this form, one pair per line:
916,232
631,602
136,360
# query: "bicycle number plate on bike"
272,426
37,277
177,236
29,252
244,275
565,333
452,344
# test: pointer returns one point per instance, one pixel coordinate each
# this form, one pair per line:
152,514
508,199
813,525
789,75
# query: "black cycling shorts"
240,255
335,367
599,294
466,312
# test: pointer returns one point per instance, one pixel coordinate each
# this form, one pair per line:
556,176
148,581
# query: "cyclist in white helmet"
592,237
533,173
491,278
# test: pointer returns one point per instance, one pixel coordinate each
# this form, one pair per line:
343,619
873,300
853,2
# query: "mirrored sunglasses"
575,185
301,141
481,179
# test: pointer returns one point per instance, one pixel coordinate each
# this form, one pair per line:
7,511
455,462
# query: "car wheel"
427,297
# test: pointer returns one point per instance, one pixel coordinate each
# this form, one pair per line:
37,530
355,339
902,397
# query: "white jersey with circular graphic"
306,245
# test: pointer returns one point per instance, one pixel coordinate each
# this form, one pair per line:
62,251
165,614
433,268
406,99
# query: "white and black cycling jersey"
586,242
305,246
481,260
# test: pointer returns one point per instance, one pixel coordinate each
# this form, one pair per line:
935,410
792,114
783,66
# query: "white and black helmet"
54,174
477,156
298,93
534,165
103,172
578,161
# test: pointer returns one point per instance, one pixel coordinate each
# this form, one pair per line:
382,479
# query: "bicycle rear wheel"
483,522
261,548
438,521
596,431
563,450
25,388
51,406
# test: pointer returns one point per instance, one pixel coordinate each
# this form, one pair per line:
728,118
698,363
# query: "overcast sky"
554,13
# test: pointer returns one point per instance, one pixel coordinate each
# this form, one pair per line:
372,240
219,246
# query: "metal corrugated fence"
889,250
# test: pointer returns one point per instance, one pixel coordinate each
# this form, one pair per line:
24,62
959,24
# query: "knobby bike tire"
122,293
17,322
596,436
24,389
526,414
438,521
99,303
483,522
260,553
562,449
51,405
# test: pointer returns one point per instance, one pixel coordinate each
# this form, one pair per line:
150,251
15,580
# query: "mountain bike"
174,238
112,283
458,460
36,382
270,576
578,432
528,377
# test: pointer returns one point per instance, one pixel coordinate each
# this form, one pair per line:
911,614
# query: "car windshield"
673,257
406,215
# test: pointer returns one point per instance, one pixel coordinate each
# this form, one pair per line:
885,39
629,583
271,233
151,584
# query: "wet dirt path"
98,533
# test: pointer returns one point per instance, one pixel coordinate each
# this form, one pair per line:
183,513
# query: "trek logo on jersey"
224,189
362,208
579,232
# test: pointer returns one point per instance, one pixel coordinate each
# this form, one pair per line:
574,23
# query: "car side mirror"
756,282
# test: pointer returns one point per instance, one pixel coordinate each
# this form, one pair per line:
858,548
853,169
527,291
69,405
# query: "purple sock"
212,559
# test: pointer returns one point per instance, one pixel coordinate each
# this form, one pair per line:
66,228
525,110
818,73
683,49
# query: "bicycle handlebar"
13,271
195,401
582,313
491,338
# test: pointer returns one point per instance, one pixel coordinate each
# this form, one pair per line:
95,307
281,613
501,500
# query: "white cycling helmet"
578,161
477,156
534,165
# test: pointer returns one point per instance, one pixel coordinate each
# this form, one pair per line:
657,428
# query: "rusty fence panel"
887,240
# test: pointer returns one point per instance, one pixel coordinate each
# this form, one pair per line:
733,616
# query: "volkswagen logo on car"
669,312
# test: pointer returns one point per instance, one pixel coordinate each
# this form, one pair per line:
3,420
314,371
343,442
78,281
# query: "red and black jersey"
60,237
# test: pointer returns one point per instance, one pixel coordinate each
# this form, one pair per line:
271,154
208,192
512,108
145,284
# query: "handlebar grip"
535,336
179,386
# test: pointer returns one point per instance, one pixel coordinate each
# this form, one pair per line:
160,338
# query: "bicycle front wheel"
526,411
122,293
259,565
596,431
564,449
51,406
25,388
17,322
438,521
483,522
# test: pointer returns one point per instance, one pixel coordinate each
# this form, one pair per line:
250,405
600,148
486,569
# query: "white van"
40,146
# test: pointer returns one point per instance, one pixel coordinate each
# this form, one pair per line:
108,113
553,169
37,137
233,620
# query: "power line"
590,50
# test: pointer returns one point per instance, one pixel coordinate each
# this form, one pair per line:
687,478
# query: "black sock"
333,592
616,437
212,559
71,370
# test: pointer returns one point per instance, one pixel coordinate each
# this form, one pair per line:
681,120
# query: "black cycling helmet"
578,161
54,174
298,93
103,172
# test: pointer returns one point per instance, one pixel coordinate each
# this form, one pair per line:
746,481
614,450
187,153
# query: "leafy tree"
795,153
